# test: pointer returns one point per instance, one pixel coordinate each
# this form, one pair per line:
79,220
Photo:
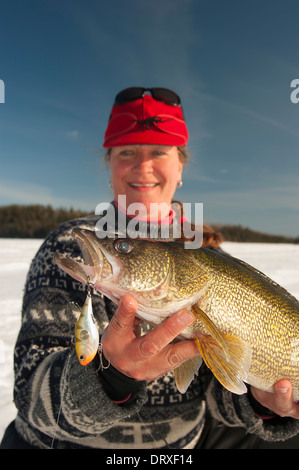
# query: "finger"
283,399
123,320
170,358
180,352
156,340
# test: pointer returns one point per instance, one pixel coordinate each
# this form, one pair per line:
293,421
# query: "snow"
15,258
278,261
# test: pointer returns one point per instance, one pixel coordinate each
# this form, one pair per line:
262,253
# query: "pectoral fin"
230,374
212,329
184,374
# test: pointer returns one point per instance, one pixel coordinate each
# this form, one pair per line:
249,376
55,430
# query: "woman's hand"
149,356
281,401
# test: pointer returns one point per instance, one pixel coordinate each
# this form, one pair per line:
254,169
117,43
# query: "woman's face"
145,173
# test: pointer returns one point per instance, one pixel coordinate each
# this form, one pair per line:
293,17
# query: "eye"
126,154
123,246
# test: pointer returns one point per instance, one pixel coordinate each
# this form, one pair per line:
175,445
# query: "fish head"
120,266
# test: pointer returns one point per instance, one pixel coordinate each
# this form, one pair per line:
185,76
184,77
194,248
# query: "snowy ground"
280,262
15,258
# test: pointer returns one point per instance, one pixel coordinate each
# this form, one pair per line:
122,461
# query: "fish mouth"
91,268
91,256
96,258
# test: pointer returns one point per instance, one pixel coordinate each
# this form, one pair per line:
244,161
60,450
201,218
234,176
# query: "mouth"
143,185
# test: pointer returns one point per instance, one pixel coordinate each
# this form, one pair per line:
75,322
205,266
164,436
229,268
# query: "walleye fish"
246,327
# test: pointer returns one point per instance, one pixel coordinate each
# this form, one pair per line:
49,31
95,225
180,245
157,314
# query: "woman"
133,401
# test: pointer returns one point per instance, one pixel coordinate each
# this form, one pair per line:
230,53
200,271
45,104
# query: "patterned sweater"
62,404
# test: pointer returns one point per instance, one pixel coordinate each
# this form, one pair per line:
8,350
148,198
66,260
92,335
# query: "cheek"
173,173
118,171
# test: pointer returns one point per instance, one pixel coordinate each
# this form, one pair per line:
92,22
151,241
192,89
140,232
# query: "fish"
246,326
86,334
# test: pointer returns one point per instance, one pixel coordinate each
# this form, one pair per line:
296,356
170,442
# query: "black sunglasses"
159,94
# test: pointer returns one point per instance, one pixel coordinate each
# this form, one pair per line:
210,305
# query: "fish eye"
123,246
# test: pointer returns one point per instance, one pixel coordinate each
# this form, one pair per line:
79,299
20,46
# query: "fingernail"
283,390
128,303
186,317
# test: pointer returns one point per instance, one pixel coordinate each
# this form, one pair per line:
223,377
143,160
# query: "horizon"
199,213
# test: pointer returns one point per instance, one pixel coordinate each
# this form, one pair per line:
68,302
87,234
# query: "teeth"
147,185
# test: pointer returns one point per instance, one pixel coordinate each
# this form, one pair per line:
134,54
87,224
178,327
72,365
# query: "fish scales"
246,327
153,276
248,306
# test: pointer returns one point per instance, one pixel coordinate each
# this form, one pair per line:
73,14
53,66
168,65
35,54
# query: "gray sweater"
62,404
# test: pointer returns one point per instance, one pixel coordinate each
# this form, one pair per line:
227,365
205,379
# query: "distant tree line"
237,233
36,221
33,221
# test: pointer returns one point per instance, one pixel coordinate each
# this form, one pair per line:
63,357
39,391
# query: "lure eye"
123,246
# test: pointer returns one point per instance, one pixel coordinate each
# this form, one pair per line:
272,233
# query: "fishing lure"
87,334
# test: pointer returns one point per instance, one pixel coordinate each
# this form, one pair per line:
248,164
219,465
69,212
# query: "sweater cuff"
119,387
259,410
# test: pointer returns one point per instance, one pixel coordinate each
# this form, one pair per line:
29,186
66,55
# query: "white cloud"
245,110
72,134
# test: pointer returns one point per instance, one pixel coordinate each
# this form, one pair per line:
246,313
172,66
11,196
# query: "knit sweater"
62,404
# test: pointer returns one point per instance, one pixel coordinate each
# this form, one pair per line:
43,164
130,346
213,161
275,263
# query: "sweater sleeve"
238,410
56,397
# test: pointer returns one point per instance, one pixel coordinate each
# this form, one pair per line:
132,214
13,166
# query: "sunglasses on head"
159,94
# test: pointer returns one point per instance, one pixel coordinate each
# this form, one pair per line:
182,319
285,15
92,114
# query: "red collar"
165,221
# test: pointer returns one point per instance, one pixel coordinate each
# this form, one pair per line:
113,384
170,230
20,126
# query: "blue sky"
231,61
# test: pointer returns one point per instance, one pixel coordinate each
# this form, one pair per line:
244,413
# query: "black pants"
215,436
13,440
218,436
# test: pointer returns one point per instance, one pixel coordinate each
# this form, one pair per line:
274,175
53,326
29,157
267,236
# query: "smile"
143,185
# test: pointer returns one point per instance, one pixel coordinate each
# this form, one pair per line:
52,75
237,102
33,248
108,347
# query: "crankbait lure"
87,334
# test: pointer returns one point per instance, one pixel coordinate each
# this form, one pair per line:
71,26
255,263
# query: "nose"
143,163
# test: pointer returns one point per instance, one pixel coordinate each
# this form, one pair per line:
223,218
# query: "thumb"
123,319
